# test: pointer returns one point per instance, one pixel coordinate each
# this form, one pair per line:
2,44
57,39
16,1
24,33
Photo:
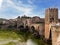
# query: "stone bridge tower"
51,15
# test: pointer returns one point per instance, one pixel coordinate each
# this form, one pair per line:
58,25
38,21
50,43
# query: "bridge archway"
21,27
32,28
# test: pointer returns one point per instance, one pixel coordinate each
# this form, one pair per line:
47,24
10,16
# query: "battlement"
52,9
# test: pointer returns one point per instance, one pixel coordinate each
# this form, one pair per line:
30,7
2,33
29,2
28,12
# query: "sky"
14,8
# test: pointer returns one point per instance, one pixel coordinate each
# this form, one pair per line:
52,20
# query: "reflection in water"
30,42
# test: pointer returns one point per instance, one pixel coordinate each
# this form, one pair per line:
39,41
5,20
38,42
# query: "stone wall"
55,35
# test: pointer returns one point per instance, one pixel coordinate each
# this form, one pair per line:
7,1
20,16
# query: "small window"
51,19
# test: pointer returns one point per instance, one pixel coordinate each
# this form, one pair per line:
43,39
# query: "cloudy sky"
13,8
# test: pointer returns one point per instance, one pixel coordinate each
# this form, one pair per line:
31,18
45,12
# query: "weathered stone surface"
56,34
51,15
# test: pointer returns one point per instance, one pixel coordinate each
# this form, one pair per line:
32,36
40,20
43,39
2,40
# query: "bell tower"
51,15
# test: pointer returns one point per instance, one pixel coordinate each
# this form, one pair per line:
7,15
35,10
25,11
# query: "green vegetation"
10,43
24,36
38,41
27,35
7,35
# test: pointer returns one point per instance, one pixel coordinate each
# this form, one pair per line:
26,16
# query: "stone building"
51,15
55,30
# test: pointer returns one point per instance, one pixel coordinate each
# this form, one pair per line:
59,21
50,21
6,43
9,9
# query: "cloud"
59,14
31,1
21,7
1,2
11,9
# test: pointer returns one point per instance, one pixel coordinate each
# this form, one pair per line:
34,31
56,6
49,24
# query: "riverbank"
13,38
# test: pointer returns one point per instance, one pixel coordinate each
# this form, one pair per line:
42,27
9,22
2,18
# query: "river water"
30,42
